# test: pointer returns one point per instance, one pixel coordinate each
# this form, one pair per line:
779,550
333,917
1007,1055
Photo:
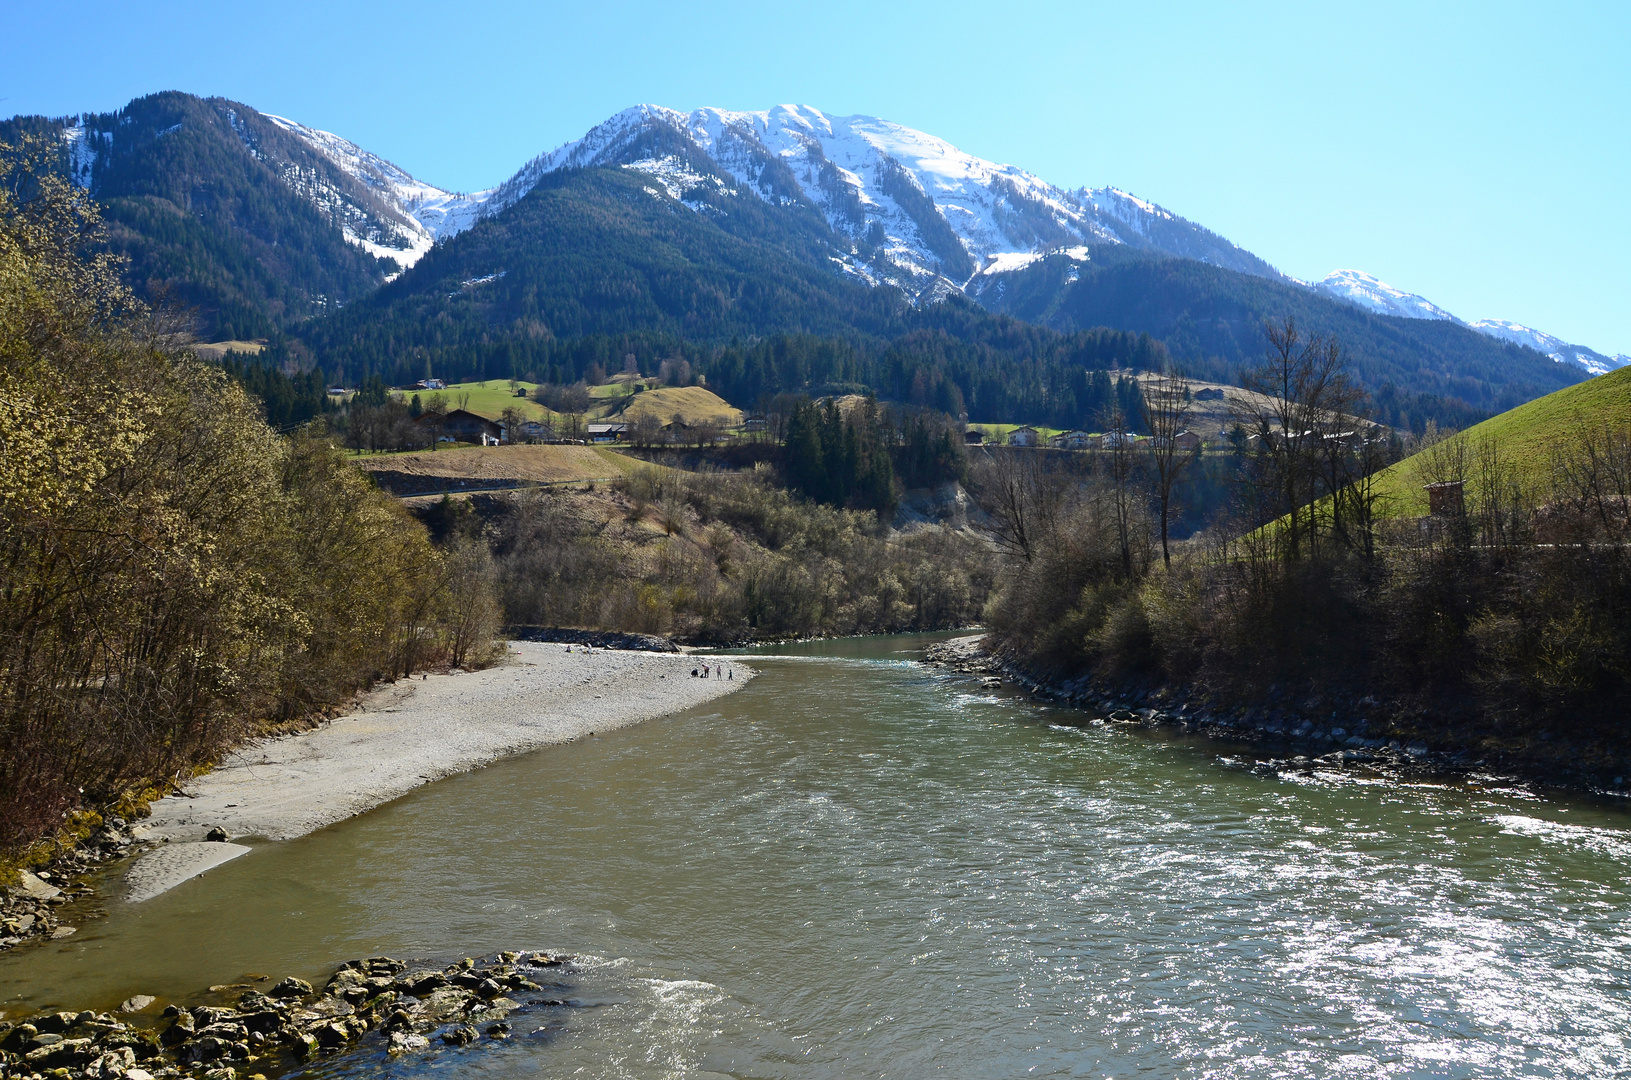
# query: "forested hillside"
604,252
1211,320
257,232
204,199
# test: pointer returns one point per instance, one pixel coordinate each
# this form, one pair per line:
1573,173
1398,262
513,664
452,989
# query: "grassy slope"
488,399
692,402
492,397
1525,434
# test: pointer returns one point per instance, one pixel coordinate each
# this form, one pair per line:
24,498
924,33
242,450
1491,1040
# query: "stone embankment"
414,1011
1298,739
36,905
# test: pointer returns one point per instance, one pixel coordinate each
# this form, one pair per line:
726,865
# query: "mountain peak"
1363,290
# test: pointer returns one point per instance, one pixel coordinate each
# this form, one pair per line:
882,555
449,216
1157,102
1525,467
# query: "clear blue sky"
1476,153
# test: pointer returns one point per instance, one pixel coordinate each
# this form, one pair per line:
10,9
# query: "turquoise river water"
857,866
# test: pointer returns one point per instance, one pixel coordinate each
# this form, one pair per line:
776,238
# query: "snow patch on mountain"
676,177
83,149
424,213
1363,290
1558,349
1009,261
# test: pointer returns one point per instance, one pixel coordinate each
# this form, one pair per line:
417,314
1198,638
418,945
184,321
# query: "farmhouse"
461,425
1072,440
1025,436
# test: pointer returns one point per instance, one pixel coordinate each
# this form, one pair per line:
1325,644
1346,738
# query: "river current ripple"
858,866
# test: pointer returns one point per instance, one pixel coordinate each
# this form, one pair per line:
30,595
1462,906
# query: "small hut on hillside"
1445,499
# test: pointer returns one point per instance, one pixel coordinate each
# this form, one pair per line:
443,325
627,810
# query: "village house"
608,432
973,436
1025,436
461,425
1072,440
531,431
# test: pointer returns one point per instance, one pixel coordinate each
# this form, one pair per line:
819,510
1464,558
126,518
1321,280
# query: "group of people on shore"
705,671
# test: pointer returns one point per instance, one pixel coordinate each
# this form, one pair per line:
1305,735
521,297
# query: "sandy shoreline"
407,734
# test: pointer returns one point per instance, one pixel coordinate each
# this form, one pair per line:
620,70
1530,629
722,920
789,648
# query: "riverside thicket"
174,576
1502,621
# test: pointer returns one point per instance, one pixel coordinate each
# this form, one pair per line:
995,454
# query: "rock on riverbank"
35,906
288,1023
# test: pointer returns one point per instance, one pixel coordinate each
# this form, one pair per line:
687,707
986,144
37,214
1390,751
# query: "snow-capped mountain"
1362,290
903,206
910,207
1558,349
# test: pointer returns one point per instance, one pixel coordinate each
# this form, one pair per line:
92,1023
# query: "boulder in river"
136,1003
463,1035
291,988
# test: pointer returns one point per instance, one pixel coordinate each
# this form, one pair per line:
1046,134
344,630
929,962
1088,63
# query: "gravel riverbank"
405,734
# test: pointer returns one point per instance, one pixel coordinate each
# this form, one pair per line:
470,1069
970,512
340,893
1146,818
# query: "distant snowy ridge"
913,206
1558,349
904,207
1362,290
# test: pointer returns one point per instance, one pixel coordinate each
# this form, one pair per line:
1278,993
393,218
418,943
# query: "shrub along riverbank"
714,558
176,577
1500,626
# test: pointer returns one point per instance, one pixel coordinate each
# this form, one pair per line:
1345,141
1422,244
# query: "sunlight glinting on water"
855,866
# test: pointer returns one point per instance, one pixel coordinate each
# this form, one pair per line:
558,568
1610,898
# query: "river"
857,866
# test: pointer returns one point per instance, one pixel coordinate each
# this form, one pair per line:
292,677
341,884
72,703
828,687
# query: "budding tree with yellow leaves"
174,576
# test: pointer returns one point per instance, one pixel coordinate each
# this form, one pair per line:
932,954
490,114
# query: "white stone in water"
136,1003
404,1041
35,888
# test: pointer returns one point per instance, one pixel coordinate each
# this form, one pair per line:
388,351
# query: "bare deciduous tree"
1022,497
1302,394
1166,409
1119,466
